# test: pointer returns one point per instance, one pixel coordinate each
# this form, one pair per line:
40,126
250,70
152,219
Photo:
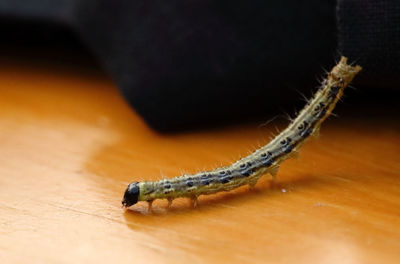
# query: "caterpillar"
266,159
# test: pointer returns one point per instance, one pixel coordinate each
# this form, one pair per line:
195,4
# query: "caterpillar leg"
273,171
169,203
252,184
255,177
294,155
150,208
194,201
315,134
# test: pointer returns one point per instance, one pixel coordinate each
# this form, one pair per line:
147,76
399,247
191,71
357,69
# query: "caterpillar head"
131,195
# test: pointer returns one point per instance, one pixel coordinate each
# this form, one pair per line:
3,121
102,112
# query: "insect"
266,159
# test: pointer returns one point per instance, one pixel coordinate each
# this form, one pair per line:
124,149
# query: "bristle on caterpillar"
263,160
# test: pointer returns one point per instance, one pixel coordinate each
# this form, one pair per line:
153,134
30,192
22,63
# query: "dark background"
194,64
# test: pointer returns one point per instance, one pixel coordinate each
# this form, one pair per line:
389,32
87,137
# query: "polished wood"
69,145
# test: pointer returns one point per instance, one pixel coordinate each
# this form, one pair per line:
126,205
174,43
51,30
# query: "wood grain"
69,145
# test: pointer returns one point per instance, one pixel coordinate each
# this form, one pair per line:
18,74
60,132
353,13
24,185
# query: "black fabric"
187,63
194,63
369,32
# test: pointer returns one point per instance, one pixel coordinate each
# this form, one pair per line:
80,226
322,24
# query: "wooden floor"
69,145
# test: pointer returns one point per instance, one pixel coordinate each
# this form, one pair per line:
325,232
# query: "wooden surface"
69,145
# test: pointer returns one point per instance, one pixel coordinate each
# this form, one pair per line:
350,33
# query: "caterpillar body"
264,160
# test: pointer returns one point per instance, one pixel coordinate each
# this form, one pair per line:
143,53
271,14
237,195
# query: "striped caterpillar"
264,160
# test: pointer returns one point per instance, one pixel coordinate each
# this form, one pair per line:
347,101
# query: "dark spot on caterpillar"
167,186
189,183
204,179
332,94
323,110
246,169
266,158
333,91
225,179
267,162
204,182
222,173
269,154
322,113
245,165
246,172
302,126
228,172
318,107
286,141
307,133
211,178
288,149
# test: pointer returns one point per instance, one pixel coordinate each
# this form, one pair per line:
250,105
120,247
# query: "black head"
131,195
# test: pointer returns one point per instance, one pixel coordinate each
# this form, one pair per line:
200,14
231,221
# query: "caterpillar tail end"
347,71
